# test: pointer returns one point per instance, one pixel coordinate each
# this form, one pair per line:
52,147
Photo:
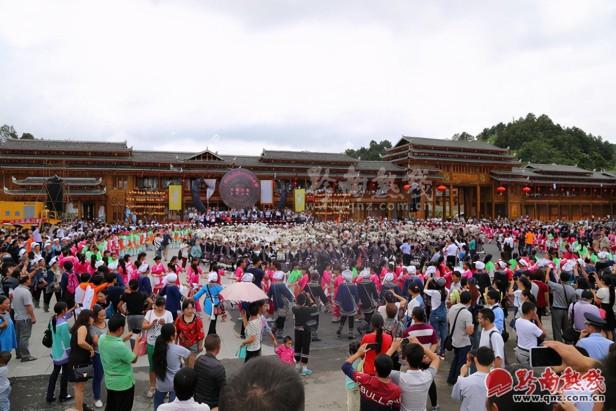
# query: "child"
285,351
352,389
5,385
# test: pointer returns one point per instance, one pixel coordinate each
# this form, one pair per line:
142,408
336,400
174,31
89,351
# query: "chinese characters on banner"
382,186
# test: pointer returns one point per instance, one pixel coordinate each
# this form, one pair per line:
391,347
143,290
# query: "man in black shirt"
211,376
256,271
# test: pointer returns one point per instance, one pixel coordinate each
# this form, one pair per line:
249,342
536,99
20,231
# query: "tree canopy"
374,151
7,132
540,140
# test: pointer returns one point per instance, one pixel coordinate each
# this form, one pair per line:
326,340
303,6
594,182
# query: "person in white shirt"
184,385
471,389
528,328
490,337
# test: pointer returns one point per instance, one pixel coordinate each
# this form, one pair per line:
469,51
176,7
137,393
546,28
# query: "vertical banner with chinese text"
175,197
267,191
299,194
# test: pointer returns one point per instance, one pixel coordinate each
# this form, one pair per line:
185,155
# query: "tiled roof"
436,142
305,156
375,165
557,168
63,145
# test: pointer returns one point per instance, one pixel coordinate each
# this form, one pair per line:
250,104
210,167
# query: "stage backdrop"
267,191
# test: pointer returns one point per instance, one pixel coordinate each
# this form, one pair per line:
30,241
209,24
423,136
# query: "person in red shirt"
379,342
543,297
377,393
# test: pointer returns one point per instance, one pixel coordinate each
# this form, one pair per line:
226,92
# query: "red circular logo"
499,382
240,188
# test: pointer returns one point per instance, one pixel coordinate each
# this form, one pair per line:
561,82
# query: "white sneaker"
98,404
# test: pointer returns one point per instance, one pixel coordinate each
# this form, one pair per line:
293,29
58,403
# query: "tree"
7,132
27,136
540,140
463,136
374,151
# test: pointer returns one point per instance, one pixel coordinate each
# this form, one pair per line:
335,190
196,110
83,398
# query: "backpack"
73,283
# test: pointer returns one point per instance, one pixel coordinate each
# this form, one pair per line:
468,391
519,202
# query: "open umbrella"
243,291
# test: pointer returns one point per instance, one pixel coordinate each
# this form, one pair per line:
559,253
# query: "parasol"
243,291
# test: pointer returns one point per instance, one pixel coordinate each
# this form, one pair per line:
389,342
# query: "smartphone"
373,346
136,331
544,357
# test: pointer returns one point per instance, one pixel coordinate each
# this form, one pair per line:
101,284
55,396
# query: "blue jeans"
159,398
5,400
438,321
97,381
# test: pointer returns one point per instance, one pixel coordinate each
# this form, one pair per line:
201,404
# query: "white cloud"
274,74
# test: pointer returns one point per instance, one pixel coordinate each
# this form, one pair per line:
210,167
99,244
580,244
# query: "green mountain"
540,140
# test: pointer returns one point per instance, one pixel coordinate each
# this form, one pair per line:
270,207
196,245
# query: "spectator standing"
98,328
461,327
184,386
211,374
117,360
415,382
490,337
80,357
8,338
528,329
470,390
592,338
254,332
168,359
378,392
24,318
212,304
578,309
60,349
153,322
189,328
563,295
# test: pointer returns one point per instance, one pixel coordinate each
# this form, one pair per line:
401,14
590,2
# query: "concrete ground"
324,389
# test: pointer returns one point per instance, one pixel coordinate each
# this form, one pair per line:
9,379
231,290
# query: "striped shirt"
424,333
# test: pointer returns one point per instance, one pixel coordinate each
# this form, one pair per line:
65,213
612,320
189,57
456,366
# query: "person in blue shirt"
592,338
493,300
145,285
212,301
173,301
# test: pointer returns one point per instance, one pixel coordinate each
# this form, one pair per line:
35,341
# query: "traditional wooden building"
442,178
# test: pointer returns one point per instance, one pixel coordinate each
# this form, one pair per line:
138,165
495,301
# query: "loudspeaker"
55,194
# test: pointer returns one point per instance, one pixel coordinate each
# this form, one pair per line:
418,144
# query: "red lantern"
441,188
500,189
406,187
526,189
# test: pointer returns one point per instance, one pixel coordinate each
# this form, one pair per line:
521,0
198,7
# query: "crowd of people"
405,294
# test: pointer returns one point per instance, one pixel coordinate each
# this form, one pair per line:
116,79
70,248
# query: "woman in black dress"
80,358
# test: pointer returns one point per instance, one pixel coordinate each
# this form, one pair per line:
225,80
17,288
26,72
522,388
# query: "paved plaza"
324,388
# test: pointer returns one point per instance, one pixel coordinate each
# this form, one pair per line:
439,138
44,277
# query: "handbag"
217,309
48,337
141,345
449,339
83,372
241,353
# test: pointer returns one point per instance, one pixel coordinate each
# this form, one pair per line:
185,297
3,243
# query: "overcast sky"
239,76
